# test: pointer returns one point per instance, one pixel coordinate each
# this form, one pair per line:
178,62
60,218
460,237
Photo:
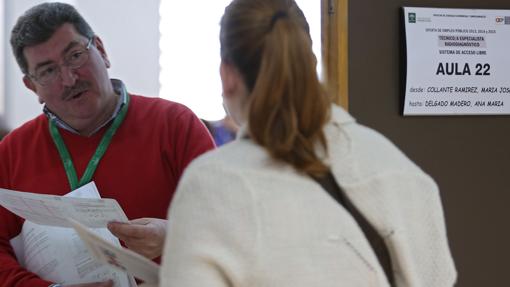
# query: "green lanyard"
94,161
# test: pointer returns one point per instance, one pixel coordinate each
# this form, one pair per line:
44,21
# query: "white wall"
191,55
130,32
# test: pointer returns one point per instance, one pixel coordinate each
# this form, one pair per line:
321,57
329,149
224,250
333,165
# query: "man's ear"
31,86
229,78
100,47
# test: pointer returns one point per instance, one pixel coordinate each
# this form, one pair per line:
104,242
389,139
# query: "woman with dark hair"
305,196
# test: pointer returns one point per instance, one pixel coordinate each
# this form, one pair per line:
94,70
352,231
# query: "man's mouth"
75,95
76,92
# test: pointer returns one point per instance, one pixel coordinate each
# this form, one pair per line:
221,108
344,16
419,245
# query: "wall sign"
458,61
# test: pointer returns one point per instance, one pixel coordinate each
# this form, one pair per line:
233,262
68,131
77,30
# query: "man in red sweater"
133,147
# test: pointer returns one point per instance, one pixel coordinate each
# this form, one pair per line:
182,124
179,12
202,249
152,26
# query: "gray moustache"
79,87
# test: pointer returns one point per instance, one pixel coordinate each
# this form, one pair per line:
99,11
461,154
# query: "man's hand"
145,236
108,283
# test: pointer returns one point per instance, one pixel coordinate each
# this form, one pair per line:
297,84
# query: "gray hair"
39,23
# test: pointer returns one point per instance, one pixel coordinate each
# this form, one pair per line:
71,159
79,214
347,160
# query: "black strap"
329,184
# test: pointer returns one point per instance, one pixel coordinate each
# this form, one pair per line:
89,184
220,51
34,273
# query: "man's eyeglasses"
74,59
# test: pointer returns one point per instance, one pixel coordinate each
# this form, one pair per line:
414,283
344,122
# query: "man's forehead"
52,49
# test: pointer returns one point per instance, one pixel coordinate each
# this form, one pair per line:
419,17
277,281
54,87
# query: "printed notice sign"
458,61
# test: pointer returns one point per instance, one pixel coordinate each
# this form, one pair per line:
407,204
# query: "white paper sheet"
58,254
118,257
54,210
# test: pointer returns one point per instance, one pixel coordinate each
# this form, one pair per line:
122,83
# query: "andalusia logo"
412,17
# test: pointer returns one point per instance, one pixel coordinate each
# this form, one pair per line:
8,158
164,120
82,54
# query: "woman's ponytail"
288,107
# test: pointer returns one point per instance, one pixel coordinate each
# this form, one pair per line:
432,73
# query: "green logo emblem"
412,17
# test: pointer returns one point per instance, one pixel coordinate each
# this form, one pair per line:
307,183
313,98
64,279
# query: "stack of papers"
57,244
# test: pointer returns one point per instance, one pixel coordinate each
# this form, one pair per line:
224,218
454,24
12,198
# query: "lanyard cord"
100,150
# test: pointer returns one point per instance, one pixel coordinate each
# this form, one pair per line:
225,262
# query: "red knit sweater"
140,169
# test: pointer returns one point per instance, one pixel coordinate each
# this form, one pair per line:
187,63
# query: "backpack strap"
329,183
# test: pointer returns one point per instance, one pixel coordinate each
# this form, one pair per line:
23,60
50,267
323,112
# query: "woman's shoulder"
362,149
236,155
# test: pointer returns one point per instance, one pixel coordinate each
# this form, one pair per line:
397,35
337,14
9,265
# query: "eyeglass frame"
66,64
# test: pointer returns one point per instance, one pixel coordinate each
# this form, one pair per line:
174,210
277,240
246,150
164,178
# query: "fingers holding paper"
145,236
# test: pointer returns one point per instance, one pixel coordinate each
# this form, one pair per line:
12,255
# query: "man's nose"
68,76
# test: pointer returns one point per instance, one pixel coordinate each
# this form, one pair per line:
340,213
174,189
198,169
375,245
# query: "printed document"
118,257
57,253
54,210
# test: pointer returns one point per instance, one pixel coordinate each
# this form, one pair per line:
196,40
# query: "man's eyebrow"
69,46
45,63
